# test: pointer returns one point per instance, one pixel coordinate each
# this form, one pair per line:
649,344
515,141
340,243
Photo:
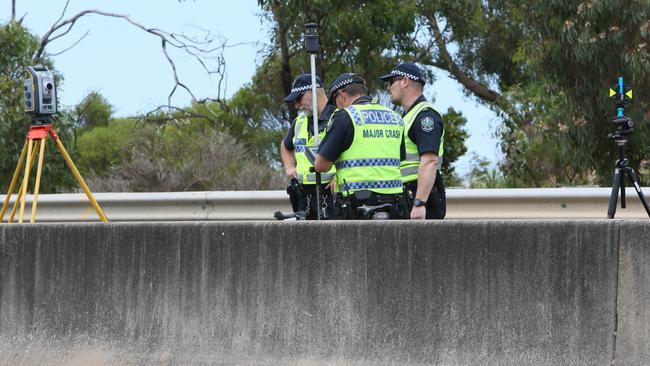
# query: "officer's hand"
418,213
291,172
332,184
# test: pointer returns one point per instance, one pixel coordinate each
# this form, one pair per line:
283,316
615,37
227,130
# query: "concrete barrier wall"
345,293
633,337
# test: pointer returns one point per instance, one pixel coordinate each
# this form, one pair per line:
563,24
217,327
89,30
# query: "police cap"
343,80
300,86
407,70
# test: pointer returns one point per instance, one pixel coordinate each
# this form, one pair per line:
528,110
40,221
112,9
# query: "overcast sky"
127,66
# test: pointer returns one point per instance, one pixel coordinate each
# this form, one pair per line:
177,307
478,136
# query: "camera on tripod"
624,124
39,92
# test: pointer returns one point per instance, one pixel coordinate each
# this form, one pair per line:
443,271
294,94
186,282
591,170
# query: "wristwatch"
419,203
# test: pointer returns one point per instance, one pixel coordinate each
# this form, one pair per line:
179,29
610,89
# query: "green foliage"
183,157
354,36
574,51
246,117
484,174
542,147
94,110
105,147
455,136
487,35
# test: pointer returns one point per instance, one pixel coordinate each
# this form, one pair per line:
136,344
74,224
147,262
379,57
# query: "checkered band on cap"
303,88
342,84
405,74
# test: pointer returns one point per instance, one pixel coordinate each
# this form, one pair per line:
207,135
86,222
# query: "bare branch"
206,50
184,113
72,46
65,9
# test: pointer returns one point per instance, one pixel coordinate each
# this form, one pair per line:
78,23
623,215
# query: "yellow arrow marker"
611,92
629,94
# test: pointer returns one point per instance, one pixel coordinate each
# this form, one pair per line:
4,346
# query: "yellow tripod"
36,138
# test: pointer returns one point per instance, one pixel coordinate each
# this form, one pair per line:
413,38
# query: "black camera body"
624,124
39,92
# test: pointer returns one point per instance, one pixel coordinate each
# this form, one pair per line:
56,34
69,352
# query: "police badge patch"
427,124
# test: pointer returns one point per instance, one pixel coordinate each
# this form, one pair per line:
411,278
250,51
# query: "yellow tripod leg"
20,191
14,179
80,180
25,181
38,180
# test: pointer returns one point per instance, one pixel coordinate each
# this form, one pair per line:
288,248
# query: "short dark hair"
418,85
355,89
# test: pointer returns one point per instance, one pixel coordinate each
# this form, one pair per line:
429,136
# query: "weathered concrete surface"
359,293
633,337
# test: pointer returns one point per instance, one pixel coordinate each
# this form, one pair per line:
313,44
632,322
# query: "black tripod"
623,168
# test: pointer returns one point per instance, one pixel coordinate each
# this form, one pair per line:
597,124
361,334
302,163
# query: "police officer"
297,166
365,142
424,142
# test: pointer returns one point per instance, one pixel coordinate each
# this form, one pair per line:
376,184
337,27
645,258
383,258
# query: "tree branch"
448,64
204,51
72,46
149,116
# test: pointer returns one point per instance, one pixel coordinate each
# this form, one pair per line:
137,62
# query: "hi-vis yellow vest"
301,140
372,161
409,167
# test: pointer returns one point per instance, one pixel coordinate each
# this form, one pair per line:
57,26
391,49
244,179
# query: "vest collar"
417,101
363,100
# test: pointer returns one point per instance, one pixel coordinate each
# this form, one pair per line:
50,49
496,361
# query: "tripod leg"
20,191
37,184
635,182
14,179
80,180
611,210
622,185
26,181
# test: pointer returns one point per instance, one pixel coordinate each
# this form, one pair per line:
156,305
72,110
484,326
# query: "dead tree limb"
207,51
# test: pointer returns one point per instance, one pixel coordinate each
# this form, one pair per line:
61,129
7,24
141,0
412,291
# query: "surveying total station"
41,104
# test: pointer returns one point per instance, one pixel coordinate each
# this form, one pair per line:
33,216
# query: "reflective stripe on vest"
300,142
372,161
366,162
409,167
324,178
374,184
410,170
